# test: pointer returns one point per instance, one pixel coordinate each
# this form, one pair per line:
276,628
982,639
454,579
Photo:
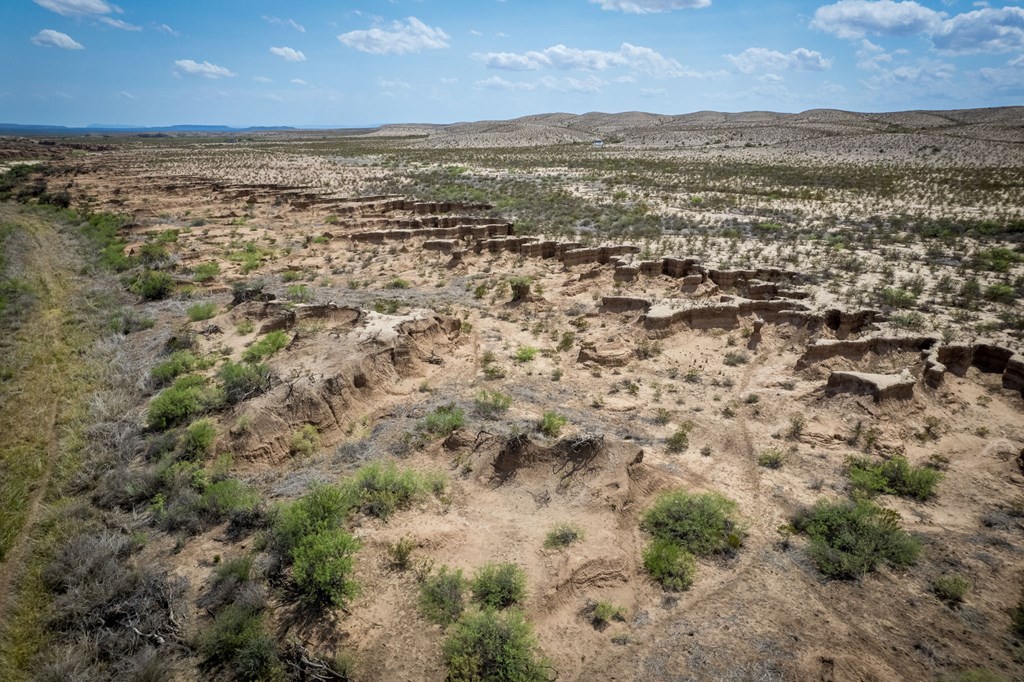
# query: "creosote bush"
492,646
499,586
551,424
202,311
265,347
153,285
893,477
243,380
679,441
492,403
951,588
851,538
702,524
563,535
443,596
670,565
188,397
323,563
444,420
178,363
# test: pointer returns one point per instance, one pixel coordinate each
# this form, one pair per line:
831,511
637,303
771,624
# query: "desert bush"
893,477
701,524
604,613
771,459
488,646
196,442
499,586
851,538
325,507
186,398
736,357
951,588
400,553
239,639
491,403
205,272
679,441
153,285
322,565
568,338
243,380
381,489
551,424
397,283
305,441
127,321
265,347
178,363
896,297
443,596
202,311
1017,617
563,535
525,354
1000,293
299,293
670,565
444,420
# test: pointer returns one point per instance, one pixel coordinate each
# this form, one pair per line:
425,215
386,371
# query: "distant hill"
21,129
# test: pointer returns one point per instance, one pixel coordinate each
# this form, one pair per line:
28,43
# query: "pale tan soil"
763,614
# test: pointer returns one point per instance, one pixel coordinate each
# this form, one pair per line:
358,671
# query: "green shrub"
299,293
444,420
896,298
186,398
499,586
102,230
563,535
487,646
305,441
771,459
238,637
850,538
205,272
381,489
736,357
679,441
670,565
604,613
202,311
893,477
551,424
951,588
225,498
397,283
701,524
243,380
1001,293
323,508
1017,617
443,596
323,563
265,347
196,442
180,362
568,338
491,403
153,285
525,354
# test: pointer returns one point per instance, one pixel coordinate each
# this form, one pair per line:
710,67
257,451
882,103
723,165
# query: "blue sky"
335,62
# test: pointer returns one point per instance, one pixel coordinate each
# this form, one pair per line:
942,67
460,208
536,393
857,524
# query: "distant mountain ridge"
23,129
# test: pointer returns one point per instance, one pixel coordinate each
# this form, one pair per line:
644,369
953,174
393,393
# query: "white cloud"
117,23
1010,78
262,79
299,81
287,23
984,30
164,28
871,57
634,57
50,38
288,54
393,85
204,69
858,18
449,81
926,75
590,84
398,38
78,8
653,92
126,95
499,83
650,6
474,32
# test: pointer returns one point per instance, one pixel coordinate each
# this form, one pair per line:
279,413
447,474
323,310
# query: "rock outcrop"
879,386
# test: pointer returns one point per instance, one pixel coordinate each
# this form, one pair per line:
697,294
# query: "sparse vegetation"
563,535
499,586
893,477
551,424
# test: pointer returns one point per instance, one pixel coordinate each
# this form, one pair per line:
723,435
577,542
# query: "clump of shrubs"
851,538
893,477
563,535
